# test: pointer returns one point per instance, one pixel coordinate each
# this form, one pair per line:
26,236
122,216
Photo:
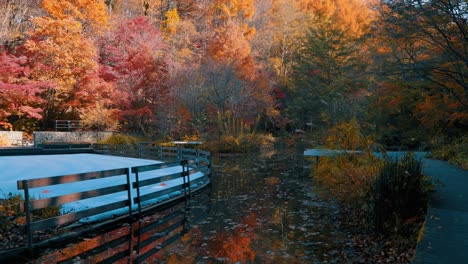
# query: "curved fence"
122,192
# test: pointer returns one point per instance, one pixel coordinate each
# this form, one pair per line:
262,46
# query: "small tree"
100,118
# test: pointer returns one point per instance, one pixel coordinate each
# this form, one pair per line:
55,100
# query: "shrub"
235,136
348,176
9,210
120,139
10,215
387,195
455,152
399,195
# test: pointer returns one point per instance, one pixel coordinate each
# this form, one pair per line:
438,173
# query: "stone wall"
10,138
41,137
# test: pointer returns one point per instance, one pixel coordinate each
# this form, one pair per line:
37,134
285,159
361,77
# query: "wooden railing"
132,188
199,159
141,240
67,125
29,205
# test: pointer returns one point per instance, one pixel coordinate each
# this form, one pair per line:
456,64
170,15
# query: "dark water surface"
260,208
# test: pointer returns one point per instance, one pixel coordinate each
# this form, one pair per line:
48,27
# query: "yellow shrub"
347,176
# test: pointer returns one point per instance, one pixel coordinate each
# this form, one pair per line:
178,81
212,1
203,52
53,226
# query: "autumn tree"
330,83
15,20
20,101
425,42
135,59
90,13
61,54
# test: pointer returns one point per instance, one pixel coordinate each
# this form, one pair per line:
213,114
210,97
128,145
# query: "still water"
260,208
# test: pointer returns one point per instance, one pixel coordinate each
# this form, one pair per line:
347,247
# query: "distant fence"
199,159
67,125
135,193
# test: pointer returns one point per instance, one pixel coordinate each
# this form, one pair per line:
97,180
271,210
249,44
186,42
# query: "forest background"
162,68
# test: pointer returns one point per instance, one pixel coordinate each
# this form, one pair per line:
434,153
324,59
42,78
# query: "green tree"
330,85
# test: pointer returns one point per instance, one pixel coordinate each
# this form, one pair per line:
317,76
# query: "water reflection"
138,242
260,209
263,210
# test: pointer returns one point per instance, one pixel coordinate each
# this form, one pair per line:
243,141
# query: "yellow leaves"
92,12
171,22
64,53
231,9
352,17
230,44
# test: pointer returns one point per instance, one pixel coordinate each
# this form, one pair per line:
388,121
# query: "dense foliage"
387,195
166,68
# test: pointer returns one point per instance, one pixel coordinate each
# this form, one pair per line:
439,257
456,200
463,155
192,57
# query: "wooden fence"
191,161
139,241
199,159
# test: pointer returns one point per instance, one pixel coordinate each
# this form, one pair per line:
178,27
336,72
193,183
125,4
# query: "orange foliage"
352,17
348,176
229,44
61,53
92,12
236,245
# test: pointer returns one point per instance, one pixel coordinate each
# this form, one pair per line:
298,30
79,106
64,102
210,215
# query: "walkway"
445,238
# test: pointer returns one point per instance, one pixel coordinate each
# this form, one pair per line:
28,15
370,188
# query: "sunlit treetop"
89,12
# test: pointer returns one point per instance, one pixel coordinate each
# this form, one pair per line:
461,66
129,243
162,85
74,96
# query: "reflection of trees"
137,242
234,244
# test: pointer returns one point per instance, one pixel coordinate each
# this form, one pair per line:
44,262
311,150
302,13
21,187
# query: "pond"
260,208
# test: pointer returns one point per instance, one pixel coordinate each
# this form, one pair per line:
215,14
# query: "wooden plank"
162,233
169,149
72,217
34,183
59,200
152,167
160,222
171,154
179,187
204,153
154,250
164,178
328,152
188,151
193,182
151,181
202,159
115,243
154,195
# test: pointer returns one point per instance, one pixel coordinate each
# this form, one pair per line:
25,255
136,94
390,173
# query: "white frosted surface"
14,168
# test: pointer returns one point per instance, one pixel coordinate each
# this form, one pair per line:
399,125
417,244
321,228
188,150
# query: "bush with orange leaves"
347,176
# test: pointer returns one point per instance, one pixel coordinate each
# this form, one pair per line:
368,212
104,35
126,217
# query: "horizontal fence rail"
67,125
135,184
29,205
199,159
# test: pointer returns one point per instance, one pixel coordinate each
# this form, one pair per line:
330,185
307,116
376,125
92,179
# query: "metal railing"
67,125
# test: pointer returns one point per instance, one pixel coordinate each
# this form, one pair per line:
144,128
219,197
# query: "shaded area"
263,210
446,229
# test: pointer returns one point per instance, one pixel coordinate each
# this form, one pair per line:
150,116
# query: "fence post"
179,154
160,157
197,156
209,164
27,208
129,193
137,183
